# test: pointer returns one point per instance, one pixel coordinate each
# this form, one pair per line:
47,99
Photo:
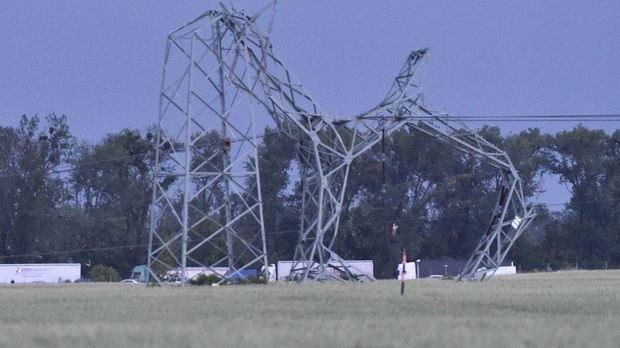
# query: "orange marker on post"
402,274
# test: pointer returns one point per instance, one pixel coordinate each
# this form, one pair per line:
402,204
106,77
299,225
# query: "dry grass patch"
568,309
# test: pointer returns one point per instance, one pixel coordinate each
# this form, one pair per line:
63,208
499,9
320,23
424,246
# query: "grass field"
564,309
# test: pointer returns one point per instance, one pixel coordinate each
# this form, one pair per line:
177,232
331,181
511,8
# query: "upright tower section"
206,209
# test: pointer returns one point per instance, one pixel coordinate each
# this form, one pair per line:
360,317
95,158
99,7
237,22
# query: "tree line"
63,200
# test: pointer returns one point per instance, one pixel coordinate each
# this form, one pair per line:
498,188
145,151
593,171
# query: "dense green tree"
531,154
31,187
276,157
111,183
89,203
587,233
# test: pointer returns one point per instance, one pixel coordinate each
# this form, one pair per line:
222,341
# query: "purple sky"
100,62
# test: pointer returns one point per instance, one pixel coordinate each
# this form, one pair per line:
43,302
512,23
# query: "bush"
104,274
203,279
253,280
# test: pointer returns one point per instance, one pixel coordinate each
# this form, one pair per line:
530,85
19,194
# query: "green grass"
564,309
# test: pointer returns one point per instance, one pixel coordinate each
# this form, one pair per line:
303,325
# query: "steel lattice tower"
221,78
206,209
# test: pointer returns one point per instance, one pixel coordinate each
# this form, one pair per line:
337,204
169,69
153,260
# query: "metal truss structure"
511,215
221,79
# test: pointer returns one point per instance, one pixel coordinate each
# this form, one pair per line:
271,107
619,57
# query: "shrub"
104,274
255,280
203,279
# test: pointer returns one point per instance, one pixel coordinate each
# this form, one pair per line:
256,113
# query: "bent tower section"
221,79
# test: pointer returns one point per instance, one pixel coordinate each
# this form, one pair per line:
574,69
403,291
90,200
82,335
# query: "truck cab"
139,273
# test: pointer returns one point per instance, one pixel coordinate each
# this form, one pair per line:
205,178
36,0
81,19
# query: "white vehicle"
360,268
39,273
272,272
410,271
506,270
503,270
129,281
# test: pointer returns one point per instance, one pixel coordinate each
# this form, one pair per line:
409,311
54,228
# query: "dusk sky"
100,62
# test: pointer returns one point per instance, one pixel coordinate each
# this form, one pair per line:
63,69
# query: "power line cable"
275,233
74,251
542,118
80,164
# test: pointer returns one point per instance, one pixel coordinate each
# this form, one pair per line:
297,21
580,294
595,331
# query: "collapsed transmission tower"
221,79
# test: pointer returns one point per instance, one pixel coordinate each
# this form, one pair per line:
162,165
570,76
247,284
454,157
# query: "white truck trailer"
358,267
410,271
506,270
39,273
